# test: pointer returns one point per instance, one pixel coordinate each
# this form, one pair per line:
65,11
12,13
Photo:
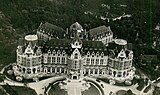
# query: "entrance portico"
75,77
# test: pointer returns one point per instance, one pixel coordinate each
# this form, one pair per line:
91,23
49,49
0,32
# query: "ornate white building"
80,53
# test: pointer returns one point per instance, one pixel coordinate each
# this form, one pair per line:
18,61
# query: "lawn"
2,92
56,90
16,90
91,91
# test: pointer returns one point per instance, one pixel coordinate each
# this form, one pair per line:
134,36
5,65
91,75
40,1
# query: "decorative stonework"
76,55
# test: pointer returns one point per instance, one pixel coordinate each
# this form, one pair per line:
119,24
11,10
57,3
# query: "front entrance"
75,77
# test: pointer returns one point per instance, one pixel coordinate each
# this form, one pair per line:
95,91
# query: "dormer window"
93,54
97,54
63,53
88,54
76,44
102,54
49,52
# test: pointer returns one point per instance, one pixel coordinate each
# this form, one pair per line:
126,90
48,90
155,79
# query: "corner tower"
29,57
120,59
75,63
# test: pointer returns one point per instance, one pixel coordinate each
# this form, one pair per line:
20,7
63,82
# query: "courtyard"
74,87
83,86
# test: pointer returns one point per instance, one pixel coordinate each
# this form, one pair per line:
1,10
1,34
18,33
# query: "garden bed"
18,90
91,91
56,90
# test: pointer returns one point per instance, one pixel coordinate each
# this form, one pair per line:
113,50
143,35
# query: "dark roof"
93,44
51,26
96,46
115,49
65,44
51,29
99,30
57,44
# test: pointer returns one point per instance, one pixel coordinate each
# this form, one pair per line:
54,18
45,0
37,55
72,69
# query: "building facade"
75,55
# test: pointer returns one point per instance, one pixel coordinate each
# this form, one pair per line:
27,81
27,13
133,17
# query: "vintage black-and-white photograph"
79,47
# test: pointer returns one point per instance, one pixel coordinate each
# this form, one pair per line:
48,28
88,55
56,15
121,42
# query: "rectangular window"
120,66
92,61
101,61
62,70
27,62
96,71
53,60
87,61
97,61
75,66
53,70
58,60
63,60
49,59
58,70
116,65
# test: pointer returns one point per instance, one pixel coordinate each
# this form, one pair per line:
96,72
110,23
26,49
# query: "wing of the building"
51,53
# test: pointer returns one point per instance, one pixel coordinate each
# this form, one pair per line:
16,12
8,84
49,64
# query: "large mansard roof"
57,44
116,47
65,44
101,30
51,30
94,46
58,40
